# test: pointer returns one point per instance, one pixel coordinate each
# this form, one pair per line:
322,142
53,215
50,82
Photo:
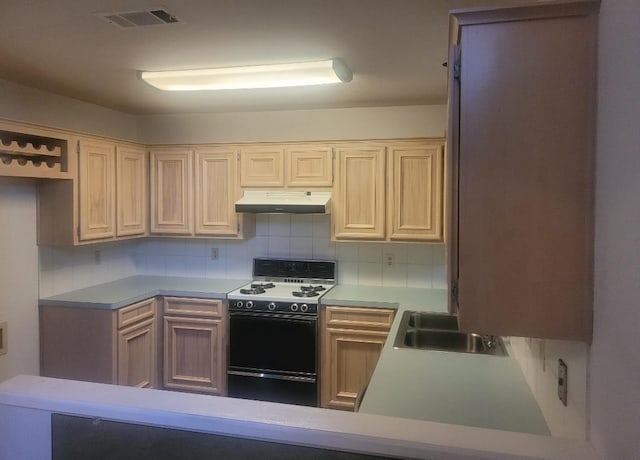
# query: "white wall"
296,125
615,362
305,237
19,276
22,103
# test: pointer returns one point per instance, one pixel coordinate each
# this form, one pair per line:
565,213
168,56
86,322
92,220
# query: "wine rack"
30,155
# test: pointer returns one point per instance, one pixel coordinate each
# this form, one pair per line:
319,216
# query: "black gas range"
273,331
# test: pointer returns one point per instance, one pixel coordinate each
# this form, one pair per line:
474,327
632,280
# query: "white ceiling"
395,49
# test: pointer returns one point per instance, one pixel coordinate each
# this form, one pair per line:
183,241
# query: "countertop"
117,294
458,388
455,388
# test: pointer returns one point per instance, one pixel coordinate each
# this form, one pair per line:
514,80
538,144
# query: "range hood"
284,202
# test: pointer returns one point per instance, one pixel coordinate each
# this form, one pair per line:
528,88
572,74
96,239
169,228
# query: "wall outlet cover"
4,340
563,383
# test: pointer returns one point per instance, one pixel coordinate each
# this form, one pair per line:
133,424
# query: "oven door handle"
295,378
278,316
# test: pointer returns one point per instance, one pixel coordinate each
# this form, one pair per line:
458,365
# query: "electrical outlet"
563,382
3,338
388,259
214,253
97,256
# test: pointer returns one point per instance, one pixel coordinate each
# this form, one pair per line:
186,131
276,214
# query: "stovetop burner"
262,286
305,293
252,290
313,288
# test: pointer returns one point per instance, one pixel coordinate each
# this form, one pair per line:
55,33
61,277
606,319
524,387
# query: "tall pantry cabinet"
521,150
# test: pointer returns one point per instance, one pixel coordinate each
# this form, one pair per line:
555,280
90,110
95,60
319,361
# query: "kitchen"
76,268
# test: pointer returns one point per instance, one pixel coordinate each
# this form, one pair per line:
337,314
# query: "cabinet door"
262,167
359,193
131,190
171,196
349,358
194,354
216,192
96,177
414,208
309,166
137,355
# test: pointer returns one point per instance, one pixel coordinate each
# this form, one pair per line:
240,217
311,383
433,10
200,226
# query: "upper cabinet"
96,177
389,192
106,199
131,191
521,172
359,192
171,191
301,165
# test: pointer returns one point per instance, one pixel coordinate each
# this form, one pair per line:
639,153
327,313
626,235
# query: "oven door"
273,357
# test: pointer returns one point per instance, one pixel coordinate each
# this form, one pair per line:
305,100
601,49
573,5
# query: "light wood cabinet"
309,166
171,191
97,189
195,345
104,346
521,185
415,193
262,166
351,343
358,210
132,181
216,191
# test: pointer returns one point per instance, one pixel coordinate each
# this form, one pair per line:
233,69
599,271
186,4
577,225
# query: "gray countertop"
117,294
456,388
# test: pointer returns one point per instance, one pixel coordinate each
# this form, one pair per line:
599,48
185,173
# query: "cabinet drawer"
369,318
136,312
193,307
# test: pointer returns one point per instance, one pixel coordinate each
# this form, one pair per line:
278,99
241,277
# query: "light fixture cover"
259,76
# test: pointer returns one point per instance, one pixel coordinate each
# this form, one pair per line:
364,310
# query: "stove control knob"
249,304
239,304
271,306
304,308
294,307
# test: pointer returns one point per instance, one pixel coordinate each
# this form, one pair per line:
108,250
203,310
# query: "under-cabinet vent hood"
263,202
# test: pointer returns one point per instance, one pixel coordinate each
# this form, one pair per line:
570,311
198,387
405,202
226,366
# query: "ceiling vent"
131,19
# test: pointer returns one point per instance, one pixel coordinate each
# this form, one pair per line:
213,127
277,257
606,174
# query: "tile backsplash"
277,235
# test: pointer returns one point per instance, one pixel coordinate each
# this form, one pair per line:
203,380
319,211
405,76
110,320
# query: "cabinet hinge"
238,156
78,147
78,231
456,69
238,225
454,292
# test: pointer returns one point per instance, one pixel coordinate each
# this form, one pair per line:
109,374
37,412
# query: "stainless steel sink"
437,331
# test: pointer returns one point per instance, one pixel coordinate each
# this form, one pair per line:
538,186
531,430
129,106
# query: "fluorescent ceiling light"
259,76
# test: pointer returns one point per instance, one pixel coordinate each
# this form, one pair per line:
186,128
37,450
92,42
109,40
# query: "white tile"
262,224
418,276
278,246
259,247
196,266
369,274
215,268
438,276
198,248
155,265
238,268
176,265
370,252
439,254
301,225
301,247
324,249
346,252
279,225
394,275
398,251
322,226
420,254
348,273
234,250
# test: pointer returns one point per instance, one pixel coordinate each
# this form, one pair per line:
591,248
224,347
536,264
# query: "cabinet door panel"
216,192
194,357
359,205
414,210
97,189
131,181
137,355
171,199
262,167
309,166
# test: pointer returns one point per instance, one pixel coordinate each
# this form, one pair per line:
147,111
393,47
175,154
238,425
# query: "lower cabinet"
104,346
352,340
195,345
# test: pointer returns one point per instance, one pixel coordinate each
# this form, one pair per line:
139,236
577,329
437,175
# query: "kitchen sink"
437,331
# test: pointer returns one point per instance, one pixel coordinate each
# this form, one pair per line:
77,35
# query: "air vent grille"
131,19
